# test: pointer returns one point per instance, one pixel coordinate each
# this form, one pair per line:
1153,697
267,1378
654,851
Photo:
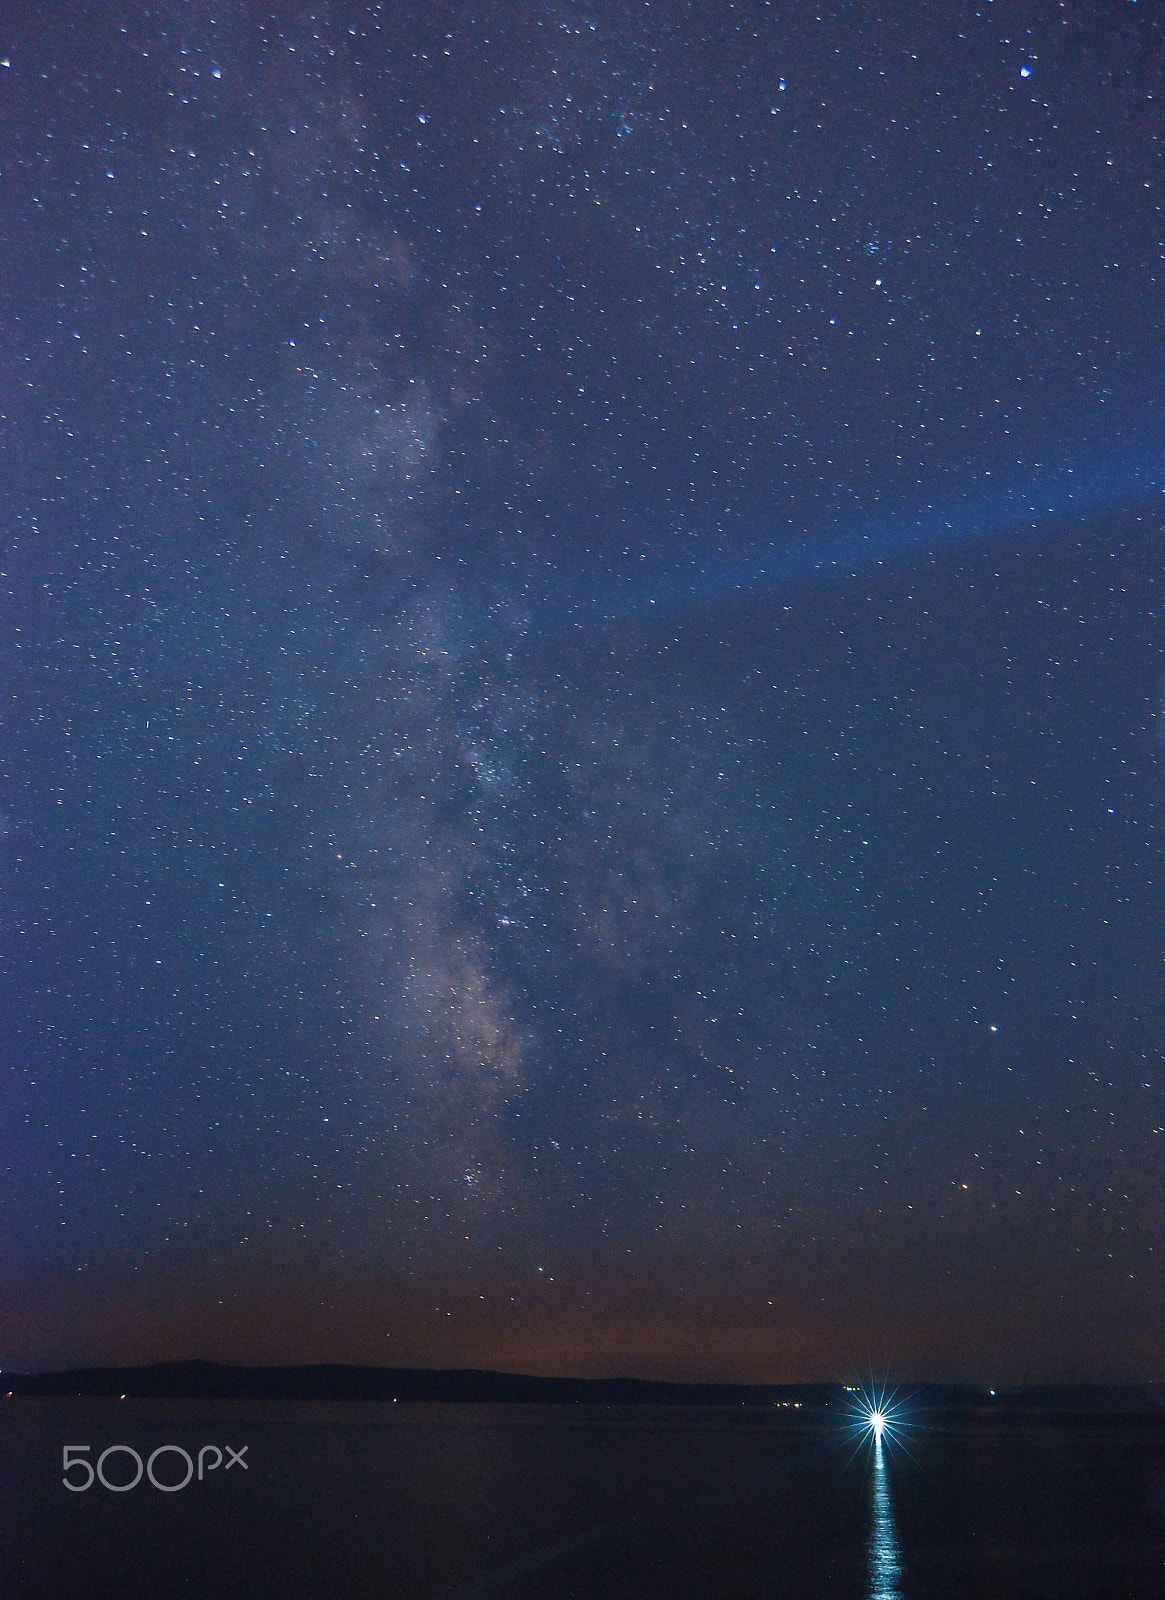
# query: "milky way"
581,767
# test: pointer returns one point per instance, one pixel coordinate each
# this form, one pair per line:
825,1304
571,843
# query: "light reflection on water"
885,1567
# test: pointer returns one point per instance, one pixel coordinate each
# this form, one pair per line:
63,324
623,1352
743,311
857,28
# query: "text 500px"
161,1468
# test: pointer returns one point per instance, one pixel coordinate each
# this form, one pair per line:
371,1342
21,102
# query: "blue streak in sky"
1014,513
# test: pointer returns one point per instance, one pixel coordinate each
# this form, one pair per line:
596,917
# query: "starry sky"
583,686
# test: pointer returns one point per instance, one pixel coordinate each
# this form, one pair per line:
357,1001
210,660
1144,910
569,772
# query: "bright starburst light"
876,1416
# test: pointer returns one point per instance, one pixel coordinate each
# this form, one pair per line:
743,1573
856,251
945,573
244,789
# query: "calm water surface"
540,1502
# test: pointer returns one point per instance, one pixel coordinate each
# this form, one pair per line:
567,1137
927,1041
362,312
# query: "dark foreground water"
346,1501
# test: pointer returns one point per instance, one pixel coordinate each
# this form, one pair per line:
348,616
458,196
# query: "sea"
236,1500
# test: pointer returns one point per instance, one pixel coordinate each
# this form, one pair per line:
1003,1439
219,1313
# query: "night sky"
583,687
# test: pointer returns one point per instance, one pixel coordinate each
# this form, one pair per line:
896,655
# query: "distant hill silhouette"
207,1380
